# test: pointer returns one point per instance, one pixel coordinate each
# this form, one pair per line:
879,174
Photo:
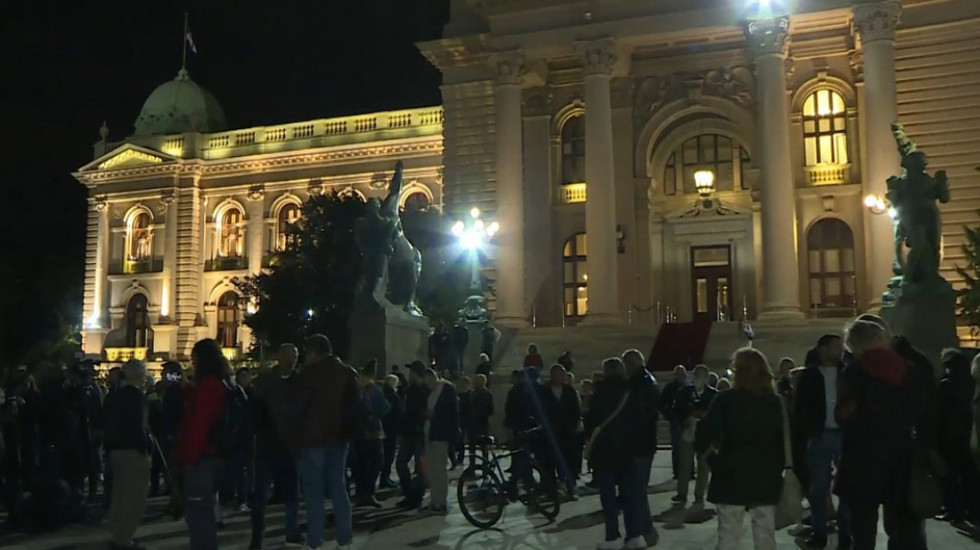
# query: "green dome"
180,106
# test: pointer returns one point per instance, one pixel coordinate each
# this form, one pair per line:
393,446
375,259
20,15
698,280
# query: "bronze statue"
919,227
391,265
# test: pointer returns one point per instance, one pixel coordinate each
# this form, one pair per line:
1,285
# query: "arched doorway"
830,249
229,317
138,331
575,276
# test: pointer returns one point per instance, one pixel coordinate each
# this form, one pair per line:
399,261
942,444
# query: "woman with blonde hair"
743,438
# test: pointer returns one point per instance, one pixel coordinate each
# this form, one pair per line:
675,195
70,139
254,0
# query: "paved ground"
578,527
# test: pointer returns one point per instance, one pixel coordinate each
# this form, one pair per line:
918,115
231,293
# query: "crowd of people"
850,424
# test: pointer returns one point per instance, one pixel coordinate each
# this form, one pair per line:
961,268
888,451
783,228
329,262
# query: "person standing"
643,410
171,413
533,359
611,459
742,435
197,451
457,450
484,367
389,423
411,438
876,410
691,406
668,408
956,390
441,428
274,462
488,339
326,396
517,407
127,442
370,443
816,398
478,419
460,339
567,361
562,410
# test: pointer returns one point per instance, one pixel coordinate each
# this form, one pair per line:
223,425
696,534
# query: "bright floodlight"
478,225
309,313
458,228
870,200
493,228
471,240
475,213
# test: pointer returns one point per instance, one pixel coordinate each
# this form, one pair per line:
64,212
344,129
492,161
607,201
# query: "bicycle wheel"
542,495
480,495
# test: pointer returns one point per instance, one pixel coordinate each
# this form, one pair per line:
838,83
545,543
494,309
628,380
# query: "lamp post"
472,234
876,204
704,182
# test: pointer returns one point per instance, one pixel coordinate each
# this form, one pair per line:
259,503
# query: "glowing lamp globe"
704,182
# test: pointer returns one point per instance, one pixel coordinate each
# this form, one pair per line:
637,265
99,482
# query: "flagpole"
183,40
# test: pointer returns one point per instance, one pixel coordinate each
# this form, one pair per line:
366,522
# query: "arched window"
576,278
573,150
138,333
229,317
287,216
139,237
720,154
825,128
231,233
830,245
416,200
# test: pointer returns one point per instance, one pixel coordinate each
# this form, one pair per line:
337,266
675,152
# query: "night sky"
69,66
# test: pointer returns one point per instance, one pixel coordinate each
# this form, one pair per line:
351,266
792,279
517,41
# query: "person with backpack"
201,442
326,395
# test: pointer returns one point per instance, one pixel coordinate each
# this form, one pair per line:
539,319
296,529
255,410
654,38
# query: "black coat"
518,409
643,410
390,422
747,432
611,450
810,407
562,414
690,403
444,424
481,409
413,415
668,399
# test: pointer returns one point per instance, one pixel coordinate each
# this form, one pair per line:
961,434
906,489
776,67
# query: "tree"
969,295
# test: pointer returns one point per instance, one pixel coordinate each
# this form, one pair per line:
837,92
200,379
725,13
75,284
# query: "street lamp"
473,234
876,204
704,182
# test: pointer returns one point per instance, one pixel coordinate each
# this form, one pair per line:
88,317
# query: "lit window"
825,128
139,237
229,317
830,245
231,234
720,154
573,150
576,276
288,215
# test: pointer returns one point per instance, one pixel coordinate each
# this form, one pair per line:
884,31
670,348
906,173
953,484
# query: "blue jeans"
822,453
279,466
323,471
676,429
627,500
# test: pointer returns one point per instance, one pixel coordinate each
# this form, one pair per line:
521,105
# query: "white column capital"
598,57
768,36
877,21
508,67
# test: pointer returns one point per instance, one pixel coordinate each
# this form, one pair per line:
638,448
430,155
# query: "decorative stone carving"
655,92
537,101
768,36
508,67
736,84
168,197
856,59
315,187
597,56
256,193
101,202
877,21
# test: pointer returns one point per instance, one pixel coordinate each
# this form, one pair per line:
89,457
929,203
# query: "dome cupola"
179,106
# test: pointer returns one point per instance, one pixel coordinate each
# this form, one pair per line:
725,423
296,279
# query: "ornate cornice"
877,21
768,36
597,56
256,193
537,101
508,67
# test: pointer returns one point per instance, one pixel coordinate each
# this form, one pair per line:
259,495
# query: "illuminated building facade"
696,155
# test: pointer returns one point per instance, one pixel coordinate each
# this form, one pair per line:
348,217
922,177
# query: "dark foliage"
969,295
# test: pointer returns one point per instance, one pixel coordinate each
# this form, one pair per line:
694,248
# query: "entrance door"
711,283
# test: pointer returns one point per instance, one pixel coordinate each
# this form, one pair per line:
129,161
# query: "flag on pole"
190,41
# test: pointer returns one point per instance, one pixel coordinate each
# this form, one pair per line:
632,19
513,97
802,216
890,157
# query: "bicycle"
484,489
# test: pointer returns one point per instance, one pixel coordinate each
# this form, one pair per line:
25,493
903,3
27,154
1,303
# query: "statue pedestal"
390,335
926,315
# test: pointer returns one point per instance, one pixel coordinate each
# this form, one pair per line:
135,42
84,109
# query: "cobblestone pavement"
578,527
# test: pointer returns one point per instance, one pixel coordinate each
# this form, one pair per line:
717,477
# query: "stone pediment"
127,156
709,209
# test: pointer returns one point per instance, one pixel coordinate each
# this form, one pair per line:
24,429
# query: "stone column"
538,197
169,298
780,273
597,59
100,303
255,234
876,24
508,68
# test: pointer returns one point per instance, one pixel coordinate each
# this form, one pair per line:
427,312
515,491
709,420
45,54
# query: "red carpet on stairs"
679,344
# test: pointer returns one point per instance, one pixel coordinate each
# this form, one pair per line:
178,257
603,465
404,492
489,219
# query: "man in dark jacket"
478,420
668,404
390,423
876,411
691,405
326,396
643,410
460,339
410,438
518,415
441,428
274,462
488,339
561,407
956,389
816,398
